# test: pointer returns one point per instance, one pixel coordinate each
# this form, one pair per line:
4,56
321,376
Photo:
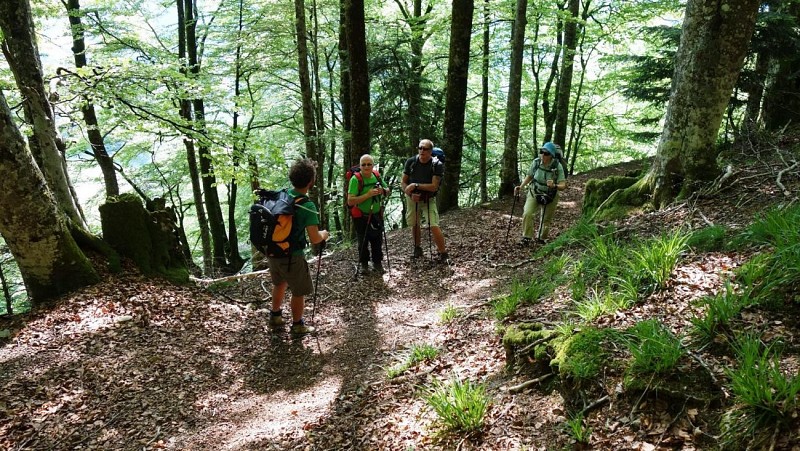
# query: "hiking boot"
444,258
417,252
363,268
525,241
300,328
539,241
276,320
378,267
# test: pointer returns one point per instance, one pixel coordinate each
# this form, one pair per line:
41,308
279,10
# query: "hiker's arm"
524,184
355,200
432,187
559,186
316,235
407,188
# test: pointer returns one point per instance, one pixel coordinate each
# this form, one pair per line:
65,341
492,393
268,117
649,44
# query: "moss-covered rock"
581,356
597,191
518,336
147,238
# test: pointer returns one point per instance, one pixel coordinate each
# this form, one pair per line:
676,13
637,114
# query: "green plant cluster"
417,354
459,405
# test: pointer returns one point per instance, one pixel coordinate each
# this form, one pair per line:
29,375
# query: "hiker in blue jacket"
544,180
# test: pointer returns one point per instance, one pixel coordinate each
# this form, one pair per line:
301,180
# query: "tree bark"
359,79
485,102
191,155
713,45
456,100
510,174
33,226
22,54
565,78
93,134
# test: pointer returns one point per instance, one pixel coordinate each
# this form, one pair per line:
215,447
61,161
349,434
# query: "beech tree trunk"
485,102
33,226
510,174
22,54
456,100
565,78
713,45
359,79
93,133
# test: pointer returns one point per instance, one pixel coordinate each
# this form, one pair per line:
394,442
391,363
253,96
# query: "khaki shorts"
422,208
296,275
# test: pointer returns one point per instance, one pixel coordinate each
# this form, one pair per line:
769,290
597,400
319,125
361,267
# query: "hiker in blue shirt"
366,207
422,176
544,180
292,271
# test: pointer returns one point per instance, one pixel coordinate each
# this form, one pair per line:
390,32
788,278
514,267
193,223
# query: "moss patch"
581,356
518,336
597,191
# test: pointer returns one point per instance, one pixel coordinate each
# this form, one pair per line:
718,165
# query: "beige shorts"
426,210
295,274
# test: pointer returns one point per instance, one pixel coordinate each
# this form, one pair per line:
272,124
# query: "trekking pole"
417,226
316,283
430,240
385,239
513,204
541,222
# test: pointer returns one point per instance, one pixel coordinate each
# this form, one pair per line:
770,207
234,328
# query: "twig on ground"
672,423
704,365
526,384
158,432
534,344
593,405
778,179
516,265
249,275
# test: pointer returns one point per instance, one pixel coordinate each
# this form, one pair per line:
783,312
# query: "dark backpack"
272,222
355,171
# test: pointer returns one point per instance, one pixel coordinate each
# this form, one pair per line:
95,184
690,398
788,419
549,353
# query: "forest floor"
138,364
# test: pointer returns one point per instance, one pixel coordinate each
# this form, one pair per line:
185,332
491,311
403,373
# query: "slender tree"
485,101
565,78
510,174
359,79
456,100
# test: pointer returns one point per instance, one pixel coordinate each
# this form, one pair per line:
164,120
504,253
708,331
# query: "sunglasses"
424,148
367,164
544,153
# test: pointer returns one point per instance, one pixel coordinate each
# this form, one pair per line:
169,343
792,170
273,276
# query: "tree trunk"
310,130
548,114
713,45
191,156
49,260
359,79
99,152
565,78
347,119
19,48
485,102
456,100
510,175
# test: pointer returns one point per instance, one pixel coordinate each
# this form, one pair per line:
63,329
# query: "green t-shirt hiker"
365,206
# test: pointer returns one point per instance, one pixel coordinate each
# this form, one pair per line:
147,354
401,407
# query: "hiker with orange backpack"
364,192
292,271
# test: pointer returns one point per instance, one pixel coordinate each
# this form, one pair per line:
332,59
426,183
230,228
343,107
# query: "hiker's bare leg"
438,238
298,304
278,293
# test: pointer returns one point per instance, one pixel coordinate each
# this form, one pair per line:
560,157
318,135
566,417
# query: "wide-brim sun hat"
549,148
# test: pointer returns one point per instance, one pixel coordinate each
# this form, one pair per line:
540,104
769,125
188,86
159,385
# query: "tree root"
526,384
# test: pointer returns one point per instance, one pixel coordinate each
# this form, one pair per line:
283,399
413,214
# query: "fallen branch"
704,365
526,384
593,405
780,174
535,343
249,275
517,265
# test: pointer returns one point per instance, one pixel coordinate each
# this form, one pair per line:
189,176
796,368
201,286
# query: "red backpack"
355,171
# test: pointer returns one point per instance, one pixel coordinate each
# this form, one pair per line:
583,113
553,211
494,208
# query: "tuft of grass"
655,349
578,429
417,354
460,405
596,304
767,400
529,292
656,259
448,314
719,310
708,239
